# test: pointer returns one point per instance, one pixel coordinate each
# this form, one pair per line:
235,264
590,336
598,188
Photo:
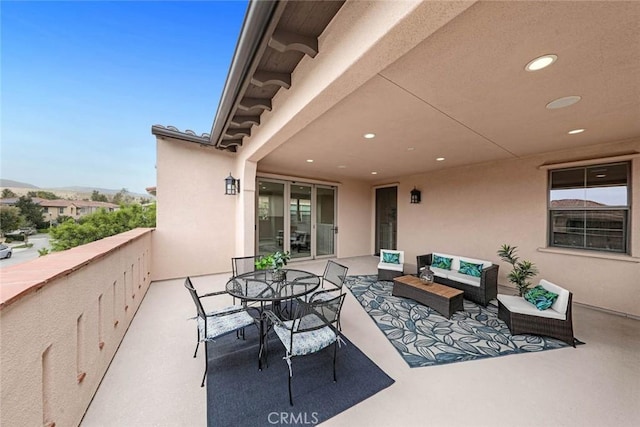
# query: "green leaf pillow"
391,258
540,297
470,269
441,262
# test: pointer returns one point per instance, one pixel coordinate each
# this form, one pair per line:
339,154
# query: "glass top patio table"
263,288
260,285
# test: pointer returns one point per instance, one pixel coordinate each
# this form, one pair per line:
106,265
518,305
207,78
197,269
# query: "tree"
64,218
122,197
43,195
8,194
96,196
31,212
101,224
9,219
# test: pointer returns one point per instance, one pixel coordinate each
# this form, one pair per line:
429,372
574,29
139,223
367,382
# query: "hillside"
72,193
7,183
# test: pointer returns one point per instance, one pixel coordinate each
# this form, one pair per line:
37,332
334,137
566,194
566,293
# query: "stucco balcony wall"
62,319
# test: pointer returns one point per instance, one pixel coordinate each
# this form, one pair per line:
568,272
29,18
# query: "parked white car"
22,231
5,251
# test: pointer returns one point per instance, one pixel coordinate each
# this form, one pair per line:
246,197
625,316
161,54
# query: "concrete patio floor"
154,380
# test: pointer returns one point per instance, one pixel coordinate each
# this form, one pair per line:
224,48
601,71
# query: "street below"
23,255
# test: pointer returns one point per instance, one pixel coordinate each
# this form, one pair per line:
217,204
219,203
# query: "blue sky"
83,82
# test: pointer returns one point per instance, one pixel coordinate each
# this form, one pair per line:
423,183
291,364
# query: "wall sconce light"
415,195
231,185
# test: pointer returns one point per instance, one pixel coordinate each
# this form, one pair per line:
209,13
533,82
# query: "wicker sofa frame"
537,325
482,294
388,275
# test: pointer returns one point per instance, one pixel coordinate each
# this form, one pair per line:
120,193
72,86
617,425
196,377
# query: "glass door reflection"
271,236
300,220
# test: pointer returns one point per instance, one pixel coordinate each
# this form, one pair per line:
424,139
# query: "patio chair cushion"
218,326
517,304
540,297
391,257
396,256
305,342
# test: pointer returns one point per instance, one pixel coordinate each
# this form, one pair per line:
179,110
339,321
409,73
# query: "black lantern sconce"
231,185
415,195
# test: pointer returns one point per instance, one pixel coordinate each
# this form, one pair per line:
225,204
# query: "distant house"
75,209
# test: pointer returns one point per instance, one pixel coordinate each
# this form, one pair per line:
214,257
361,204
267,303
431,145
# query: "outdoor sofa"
481,289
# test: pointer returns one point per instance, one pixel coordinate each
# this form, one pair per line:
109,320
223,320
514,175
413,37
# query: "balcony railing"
62,318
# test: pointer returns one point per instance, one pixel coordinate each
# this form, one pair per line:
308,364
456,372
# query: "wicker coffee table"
443,299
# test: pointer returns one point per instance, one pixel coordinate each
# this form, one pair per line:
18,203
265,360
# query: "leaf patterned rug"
425,338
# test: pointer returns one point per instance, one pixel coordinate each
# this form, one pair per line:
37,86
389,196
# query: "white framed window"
589,207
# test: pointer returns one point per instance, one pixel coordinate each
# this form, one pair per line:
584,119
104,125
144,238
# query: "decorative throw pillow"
540,297
470,269
391,258
441,262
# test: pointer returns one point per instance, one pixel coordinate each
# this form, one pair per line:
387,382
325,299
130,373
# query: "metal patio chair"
241,265
312,328
216,323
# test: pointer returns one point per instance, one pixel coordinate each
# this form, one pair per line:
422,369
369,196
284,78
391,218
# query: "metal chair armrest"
211,294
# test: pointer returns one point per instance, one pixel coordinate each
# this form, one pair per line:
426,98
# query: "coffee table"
443,299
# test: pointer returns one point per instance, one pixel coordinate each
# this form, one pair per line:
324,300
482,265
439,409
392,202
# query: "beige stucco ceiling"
463,94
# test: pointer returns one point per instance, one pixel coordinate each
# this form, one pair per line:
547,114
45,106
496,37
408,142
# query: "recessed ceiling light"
575,131
541,62
374,173
309,160
369,135
439,159
563,102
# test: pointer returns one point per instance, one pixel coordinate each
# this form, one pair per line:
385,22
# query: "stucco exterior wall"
62,320
473,210
195,224
354,219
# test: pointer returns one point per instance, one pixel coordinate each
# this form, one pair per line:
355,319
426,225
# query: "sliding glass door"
307,230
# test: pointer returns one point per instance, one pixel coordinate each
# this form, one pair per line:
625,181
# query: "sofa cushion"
485,264
463,278
441,262
519,305
439,272
540,297
470,268
455,260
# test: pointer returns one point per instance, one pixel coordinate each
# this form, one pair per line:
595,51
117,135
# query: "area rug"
425,338
238,394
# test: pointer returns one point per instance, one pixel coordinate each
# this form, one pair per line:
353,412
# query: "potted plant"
275,262
522,269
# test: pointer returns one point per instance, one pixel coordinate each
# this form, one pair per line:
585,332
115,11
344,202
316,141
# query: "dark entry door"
386,218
